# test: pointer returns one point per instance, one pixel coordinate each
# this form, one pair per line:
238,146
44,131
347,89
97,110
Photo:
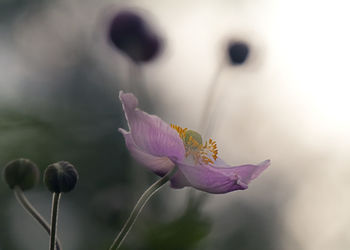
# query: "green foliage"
183,233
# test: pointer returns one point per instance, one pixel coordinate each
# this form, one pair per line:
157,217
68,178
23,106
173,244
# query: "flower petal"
151,134
221,178
248,173
159,165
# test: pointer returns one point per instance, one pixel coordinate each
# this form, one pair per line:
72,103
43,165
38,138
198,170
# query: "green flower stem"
54,213
21,198
139,206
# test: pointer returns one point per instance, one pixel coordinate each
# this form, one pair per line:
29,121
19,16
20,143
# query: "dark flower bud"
129,32
22,172
61,177
238,52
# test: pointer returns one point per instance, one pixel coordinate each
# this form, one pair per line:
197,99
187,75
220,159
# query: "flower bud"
21,172
130,33
238,52
61,177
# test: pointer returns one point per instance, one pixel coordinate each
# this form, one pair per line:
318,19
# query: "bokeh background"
289,102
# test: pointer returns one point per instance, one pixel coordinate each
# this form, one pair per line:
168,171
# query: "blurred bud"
61,177
22,172
238,52
130,33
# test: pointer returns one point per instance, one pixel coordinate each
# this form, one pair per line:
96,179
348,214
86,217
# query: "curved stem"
211,95
21,198
138,208
54,214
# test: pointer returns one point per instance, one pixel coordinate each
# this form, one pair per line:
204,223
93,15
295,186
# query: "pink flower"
160,146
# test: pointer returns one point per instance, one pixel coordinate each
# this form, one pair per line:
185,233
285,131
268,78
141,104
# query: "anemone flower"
161,146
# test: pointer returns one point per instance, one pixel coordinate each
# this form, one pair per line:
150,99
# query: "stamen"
194,147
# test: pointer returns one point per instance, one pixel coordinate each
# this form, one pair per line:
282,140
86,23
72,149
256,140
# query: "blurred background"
288,101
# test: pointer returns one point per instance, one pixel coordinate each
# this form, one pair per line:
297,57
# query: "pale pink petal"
221,178
151,134
246,172
159,165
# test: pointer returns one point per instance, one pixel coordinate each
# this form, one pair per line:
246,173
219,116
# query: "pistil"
194,147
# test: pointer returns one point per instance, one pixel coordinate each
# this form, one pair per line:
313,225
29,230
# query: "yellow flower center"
205,153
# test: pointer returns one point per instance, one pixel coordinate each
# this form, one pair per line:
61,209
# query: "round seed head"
61,177
21,172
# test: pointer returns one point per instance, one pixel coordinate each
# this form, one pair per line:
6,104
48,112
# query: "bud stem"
21,198
138,208
206,117
137,83
135,78
54,214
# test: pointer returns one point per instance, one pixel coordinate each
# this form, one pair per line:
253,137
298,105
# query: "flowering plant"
160,146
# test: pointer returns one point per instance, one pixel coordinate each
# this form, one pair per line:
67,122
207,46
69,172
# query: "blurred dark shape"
130,33
23,173
184,232
61,177
238,52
